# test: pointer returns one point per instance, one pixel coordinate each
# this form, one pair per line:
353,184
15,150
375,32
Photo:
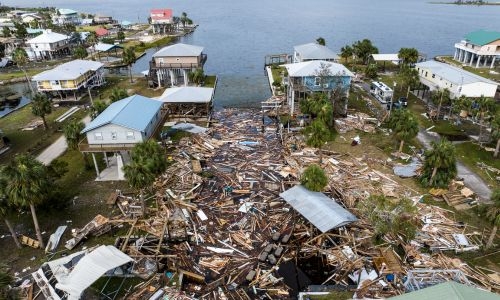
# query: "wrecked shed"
317,208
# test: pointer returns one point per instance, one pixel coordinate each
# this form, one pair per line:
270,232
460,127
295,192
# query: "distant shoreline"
469,3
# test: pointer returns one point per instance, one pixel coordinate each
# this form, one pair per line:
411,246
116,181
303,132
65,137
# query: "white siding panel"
107,135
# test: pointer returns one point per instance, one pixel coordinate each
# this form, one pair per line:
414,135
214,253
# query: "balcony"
203,59
476,49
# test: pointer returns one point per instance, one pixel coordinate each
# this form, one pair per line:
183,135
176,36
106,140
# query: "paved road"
471,179
57,148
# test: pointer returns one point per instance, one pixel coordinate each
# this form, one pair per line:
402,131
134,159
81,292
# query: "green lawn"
210,80
471,153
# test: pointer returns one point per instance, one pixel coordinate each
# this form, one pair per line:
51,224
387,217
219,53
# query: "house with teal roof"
480,49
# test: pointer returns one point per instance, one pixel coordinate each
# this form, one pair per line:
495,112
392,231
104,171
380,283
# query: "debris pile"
217,224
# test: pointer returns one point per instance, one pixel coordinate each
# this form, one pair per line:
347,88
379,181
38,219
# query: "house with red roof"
162,20
101,32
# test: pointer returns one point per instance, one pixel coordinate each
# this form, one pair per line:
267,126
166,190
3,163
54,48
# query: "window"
130,135
317,81
433,75
425,74
98,135
114,136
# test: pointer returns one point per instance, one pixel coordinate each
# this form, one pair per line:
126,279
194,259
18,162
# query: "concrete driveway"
57,148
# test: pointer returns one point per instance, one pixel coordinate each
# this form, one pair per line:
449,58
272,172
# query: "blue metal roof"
134,112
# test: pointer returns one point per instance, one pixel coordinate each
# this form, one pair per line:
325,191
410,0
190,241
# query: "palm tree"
440,165
40,107
27,185
408,56
5,286
317,134
314,178
72,133
495,133
441,96
346,52
129,58
493,214
80,52
483,109
321,41
20,58
147,161
97,108
92,40
4,209
117,94
404,124
409,78
183,19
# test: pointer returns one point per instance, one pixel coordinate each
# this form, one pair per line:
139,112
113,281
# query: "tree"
409,77
76,38
404,124
40,107
493,214
371,70
147,162
117,94
80,52
390,217
129,58
120,36
5,207
98,108
495,133
197,76
92,39
364,49
440,96
408,56
183,19
72,133
5,286
27,185
346,52
321,41
482,109
6,32
314,178
21,31
20,58
317,134
440,165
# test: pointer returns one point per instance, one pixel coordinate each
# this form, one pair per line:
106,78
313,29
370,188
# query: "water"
20,88
238,34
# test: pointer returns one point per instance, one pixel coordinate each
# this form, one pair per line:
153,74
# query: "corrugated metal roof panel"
317,208
187,94
69,71
452,73
311,68
179,49
315,51
134,112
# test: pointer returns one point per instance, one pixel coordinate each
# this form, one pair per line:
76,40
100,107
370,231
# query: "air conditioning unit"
325,85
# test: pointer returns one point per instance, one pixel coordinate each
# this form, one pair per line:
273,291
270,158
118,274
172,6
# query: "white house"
70,79
49,45
313,51
66,16
479,49
172,64
437,75
122,125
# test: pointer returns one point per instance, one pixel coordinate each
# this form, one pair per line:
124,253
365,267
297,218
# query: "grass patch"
210,81
470,154
141,46
139,86
277,73
358,103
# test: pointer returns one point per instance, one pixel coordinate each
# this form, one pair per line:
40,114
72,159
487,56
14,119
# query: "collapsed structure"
229,220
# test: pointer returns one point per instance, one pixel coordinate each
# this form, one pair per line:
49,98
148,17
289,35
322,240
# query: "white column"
492,62
471,59
478,61
95,165
292,106
171,72
159,78
184,73
456,53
